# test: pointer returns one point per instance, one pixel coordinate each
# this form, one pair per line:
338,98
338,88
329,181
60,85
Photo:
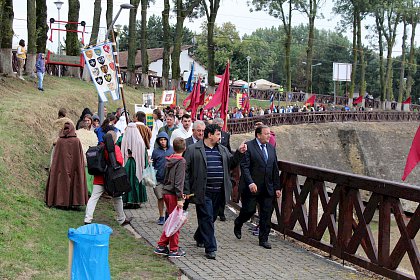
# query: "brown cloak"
66,185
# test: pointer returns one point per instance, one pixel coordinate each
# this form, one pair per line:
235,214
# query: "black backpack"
95,159
116,179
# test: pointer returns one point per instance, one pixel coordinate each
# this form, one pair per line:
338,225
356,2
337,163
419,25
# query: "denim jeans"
206,216
40,79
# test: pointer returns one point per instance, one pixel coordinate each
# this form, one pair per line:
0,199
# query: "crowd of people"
194,163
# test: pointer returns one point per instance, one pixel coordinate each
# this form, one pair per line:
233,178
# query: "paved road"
238,259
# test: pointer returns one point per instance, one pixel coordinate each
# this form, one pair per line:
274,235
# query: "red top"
99,179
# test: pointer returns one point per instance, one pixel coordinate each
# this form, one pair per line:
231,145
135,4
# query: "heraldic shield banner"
101,65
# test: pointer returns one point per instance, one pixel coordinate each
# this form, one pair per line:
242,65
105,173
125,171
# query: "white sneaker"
21,78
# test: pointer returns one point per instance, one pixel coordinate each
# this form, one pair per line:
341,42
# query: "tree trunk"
109,13
41,26
362,87
176,71
402,70
143,47
6,39
166,44
210,53
211,19
309,53
72,41
96,21
354,66
288,50
379,23
411,59
132,48
31,26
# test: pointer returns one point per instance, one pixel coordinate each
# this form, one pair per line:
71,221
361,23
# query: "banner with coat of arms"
101,65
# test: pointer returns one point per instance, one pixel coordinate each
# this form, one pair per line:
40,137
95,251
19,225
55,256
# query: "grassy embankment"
33,238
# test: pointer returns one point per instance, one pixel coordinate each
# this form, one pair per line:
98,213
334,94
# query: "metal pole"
59,47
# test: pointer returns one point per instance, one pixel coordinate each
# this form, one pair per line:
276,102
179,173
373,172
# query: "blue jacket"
40,64
159,156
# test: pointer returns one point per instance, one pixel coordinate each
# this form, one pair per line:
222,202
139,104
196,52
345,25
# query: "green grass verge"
33,238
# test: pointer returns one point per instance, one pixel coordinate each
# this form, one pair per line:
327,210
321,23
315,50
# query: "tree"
413,18
6,37
132,48
31,27
143,44
72,41
183,10
402,83
310,8
211,12
275,9
109,13
41,26
97,9
388,14
166,44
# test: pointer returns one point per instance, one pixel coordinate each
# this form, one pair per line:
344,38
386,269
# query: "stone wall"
376,150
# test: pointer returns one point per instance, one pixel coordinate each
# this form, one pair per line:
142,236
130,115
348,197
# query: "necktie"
264,151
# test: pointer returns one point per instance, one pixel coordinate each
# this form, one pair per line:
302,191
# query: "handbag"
115,177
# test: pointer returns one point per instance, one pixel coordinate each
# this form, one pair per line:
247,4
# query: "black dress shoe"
265,244
237,231
223,218
211,255
199,244
127,221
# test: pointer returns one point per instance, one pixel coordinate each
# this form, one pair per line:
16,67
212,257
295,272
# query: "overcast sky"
235,11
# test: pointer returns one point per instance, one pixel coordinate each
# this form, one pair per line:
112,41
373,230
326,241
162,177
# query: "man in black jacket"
225,141
207,176
260,181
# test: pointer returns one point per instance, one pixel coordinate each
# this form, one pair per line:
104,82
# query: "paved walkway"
238,259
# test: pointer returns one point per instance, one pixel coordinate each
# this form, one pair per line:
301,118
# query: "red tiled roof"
154,55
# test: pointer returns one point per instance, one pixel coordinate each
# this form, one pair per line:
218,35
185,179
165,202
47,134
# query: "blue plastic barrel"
90,254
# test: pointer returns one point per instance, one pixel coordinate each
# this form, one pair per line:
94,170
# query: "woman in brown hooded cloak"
66,185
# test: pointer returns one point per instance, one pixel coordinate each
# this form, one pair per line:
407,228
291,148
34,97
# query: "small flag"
413,155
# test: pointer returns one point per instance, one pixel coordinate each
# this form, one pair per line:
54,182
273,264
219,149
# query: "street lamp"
58,4
312,66
100,103
248,58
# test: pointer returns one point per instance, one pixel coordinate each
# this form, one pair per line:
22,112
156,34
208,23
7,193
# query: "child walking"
173,192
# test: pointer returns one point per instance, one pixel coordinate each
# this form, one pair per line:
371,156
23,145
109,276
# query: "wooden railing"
341,223
236,126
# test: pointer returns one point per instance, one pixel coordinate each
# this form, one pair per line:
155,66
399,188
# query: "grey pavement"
238,259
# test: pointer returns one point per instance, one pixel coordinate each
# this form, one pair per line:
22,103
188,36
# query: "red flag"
311,100
358,100
413,156
407,101
222,97
188,98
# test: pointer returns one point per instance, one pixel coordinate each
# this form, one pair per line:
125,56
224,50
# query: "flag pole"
117,67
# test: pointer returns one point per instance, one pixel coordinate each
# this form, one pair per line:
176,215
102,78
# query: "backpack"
95,159
115,177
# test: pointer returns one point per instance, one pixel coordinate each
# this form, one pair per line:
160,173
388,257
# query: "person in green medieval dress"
135,160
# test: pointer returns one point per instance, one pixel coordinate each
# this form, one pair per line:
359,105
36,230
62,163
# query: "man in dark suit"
260,181
197,133
225,141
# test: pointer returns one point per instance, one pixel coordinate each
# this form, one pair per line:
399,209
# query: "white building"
156,62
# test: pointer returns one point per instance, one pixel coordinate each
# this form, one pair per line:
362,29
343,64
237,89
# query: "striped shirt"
214,169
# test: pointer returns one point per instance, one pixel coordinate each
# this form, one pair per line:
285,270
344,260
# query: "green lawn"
33,238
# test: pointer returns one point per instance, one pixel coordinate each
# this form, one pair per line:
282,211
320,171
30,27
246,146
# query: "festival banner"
101,66
239,100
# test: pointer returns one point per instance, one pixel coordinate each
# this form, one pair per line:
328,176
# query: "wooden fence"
341,224
237,126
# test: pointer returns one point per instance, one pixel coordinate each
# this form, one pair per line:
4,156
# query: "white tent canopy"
264,84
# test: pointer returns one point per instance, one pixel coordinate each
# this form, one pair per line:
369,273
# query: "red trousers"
170,203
